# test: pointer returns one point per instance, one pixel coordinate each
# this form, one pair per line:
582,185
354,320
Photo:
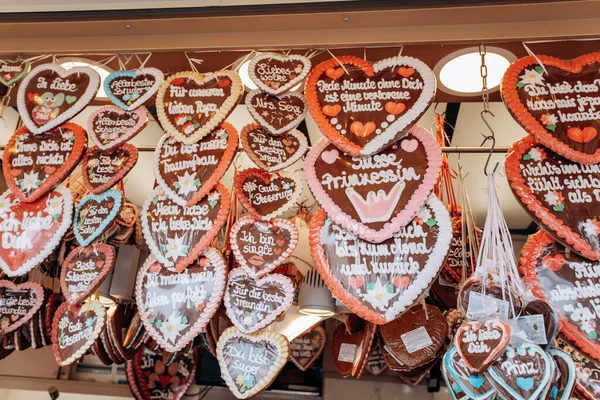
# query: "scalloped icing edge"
155,72
226,108
475,326
131,133
447,365
39,294
572,371
262,122
283,349
207,313
72,111
131,380
116,178
281,280
288,86
317,354
17,78
220,171
112,216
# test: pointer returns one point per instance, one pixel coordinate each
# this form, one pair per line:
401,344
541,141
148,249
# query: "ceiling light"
295,323
102,70
315,298
459,73
245,76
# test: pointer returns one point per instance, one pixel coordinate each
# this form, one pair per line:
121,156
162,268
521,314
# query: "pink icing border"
475,326
131,133
39,294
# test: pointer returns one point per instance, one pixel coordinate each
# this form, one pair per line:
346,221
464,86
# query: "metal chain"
485,93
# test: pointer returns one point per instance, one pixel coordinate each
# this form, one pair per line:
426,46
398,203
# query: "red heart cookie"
479,345
276,114
364,108
132,88
18,304
110,126
351,350
306,348
278,73
34,164
104,169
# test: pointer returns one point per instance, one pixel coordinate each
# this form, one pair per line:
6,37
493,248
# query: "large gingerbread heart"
191,105
276,114
475,386
109,126
278,73
560,195
178,235
104,169
249,363
351,350
49,95
95,214
176,307
380,281
12,71
555,102
480,344
31,231
34,164
374,197
130,89
306,348
364,108
187,172
18,304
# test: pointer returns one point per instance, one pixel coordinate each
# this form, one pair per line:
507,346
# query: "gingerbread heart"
18,304
351,350
49,95
95,214
540,322
462,379
178,235
559,194
191,105
253,304
176,307
103,169
12,71
266,196
452,271
260,247
376,364
110,126
587,370
273,153
132,88
380,285
480,344
364,108
278,73
31,231
374,197
187,172
563,387
306,348
34,164
276,114
553,101
84,269
75,328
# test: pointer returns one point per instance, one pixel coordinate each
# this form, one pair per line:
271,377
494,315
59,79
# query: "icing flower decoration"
532,77
589,327
172,327
54,206
591,227
5,204
175,248
379,295
535,154
249,187
30,181
180,120
187,183
549,121
63,323
556,200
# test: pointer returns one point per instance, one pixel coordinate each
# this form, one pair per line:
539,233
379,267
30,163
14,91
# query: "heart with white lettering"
103,169
276,114
260,247
560,195
18,304
84,269
351,350
34,164
130,89
109,126
31,231
364,108
177,235
306,348
249,363
267,195
75,328
50,95
277,73
191,105
95,214
187,172
253,304
453,265
474,386
176,307
554,100
379,282
480,344
376,196
12,71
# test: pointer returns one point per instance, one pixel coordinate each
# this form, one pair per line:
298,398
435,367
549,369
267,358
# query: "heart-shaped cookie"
130,89
306,348
249,363
563,387
260,247
363,109
95,214
559,194
376,364
75,328
379,282
191,105
176,307
351,350
12,71
272,153
49,95
475,386
276,114
178,235
266,196
31,231
34,164
18,304
84,270
554,102
587,370
453,265
480,344
374,197
110,126
103,169
532,316
278,73
187,172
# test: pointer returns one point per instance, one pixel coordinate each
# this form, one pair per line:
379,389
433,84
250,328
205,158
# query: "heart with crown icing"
130,89
110,126
278,73
104,169
19,304
375,196
12,71
276,114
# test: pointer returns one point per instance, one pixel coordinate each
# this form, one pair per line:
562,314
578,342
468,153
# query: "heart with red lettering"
95,214
110,126
480,344
19,304
103,169
276,114
306,348
277,73
12,71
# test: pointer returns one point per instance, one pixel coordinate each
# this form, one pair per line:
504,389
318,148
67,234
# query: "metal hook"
491,137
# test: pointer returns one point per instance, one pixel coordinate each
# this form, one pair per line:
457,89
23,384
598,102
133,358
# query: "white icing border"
155,72
280,57
303,147
262,122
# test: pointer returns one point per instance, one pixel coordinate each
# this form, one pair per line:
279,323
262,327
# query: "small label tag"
534,327
480,304
416,339
347,352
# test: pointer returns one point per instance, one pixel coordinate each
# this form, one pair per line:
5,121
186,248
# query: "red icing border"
494,353
131,161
